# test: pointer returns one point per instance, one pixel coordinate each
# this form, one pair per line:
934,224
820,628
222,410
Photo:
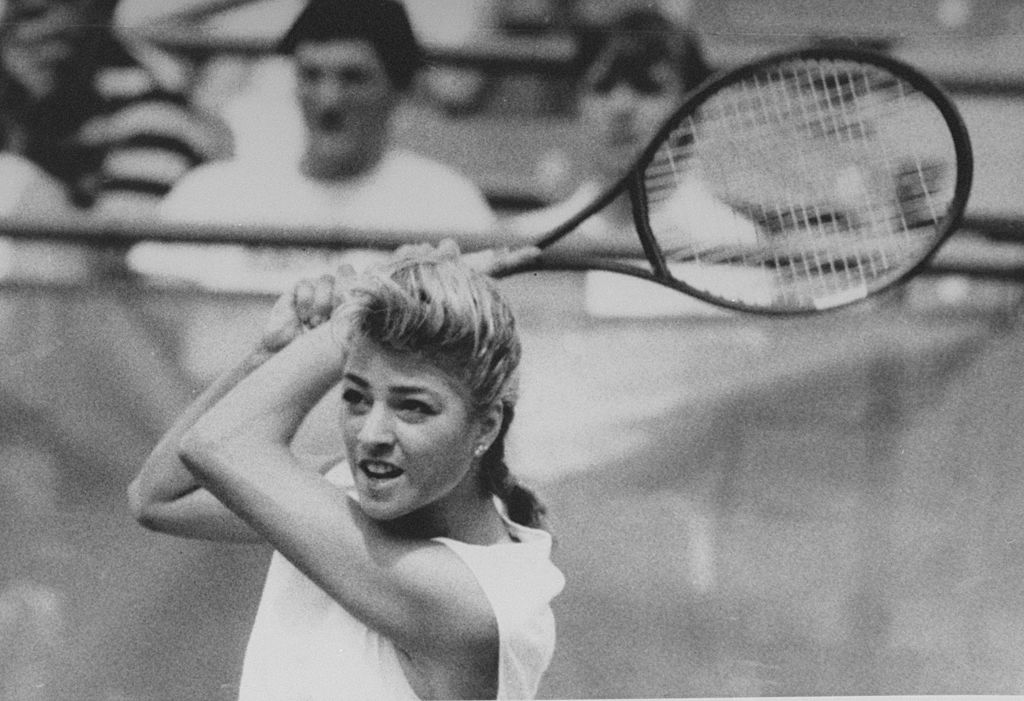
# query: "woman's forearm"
264,410
164,477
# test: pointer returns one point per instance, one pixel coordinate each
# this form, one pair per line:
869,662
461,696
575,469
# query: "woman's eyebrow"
396,389
410,389
355,379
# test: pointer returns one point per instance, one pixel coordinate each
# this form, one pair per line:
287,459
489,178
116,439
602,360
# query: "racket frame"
632,181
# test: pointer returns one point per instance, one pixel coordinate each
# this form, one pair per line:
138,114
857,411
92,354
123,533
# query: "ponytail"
523,506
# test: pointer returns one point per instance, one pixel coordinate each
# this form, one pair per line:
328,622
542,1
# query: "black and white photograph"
381,350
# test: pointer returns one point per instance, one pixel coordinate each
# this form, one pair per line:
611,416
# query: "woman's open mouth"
379,469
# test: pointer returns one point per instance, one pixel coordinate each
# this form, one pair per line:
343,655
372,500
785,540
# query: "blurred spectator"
84,130
74,101
27,192
354,61
633,73
26,189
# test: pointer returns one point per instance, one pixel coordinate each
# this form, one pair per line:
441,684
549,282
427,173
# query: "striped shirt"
119,140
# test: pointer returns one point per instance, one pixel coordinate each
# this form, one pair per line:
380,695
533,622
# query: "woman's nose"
377,428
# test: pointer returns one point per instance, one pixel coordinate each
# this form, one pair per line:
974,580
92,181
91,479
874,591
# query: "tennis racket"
805,181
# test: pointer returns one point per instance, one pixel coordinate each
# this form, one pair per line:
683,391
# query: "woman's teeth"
380,470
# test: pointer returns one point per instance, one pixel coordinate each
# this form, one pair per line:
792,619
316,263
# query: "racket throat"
641,220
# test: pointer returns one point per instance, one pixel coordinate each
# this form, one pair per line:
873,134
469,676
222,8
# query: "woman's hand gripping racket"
802,182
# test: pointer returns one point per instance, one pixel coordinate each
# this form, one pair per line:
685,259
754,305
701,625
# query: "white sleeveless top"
304,645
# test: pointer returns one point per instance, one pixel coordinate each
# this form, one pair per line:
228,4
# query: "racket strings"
849,125
818,177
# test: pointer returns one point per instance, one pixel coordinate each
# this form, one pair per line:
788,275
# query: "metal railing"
988,246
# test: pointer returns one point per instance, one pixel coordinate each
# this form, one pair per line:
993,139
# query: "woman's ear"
490,424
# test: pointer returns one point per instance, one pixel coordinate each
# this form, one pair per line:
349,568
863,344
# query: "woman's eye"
415,409
354,399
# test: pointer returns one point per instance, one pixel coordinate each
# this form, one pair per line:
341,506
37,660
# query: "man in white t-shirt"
353,64
354,61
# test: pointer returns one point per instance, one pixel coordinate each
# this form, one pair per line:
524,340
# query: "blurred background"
743,506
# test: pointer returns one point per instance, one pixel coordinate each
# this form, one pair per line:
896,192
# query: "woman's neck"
474,521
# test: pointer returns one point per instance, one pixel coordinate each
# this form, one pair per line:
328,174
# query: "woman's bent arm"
416,592
166,497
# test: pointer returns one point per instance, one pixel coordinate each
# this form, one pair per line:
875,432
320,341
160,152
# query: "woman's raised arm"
165,496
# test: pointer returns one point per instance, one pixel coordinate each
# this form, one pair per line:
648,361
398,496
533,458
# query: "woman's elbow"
136,500
156,493
144,506
198,451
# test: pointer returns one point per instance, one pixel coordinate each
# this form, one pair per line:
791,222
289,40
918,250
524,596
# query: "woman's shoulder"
513,570
519,580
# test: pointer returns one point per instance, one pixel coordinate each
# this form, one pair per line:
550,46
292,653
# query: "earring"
480,450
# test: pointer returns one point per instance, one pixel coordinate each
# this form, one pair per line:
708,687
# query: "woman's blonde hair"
429,304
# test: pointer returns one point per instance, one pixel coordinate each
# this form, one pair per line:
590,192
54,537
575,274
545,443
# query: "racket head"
805,181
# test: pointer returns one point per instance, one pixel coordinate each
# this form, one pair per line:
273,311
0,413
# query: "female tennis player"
417,567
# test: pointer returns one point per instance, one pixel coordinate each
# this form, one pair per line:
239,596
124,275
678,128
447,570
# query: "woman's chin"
380,506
